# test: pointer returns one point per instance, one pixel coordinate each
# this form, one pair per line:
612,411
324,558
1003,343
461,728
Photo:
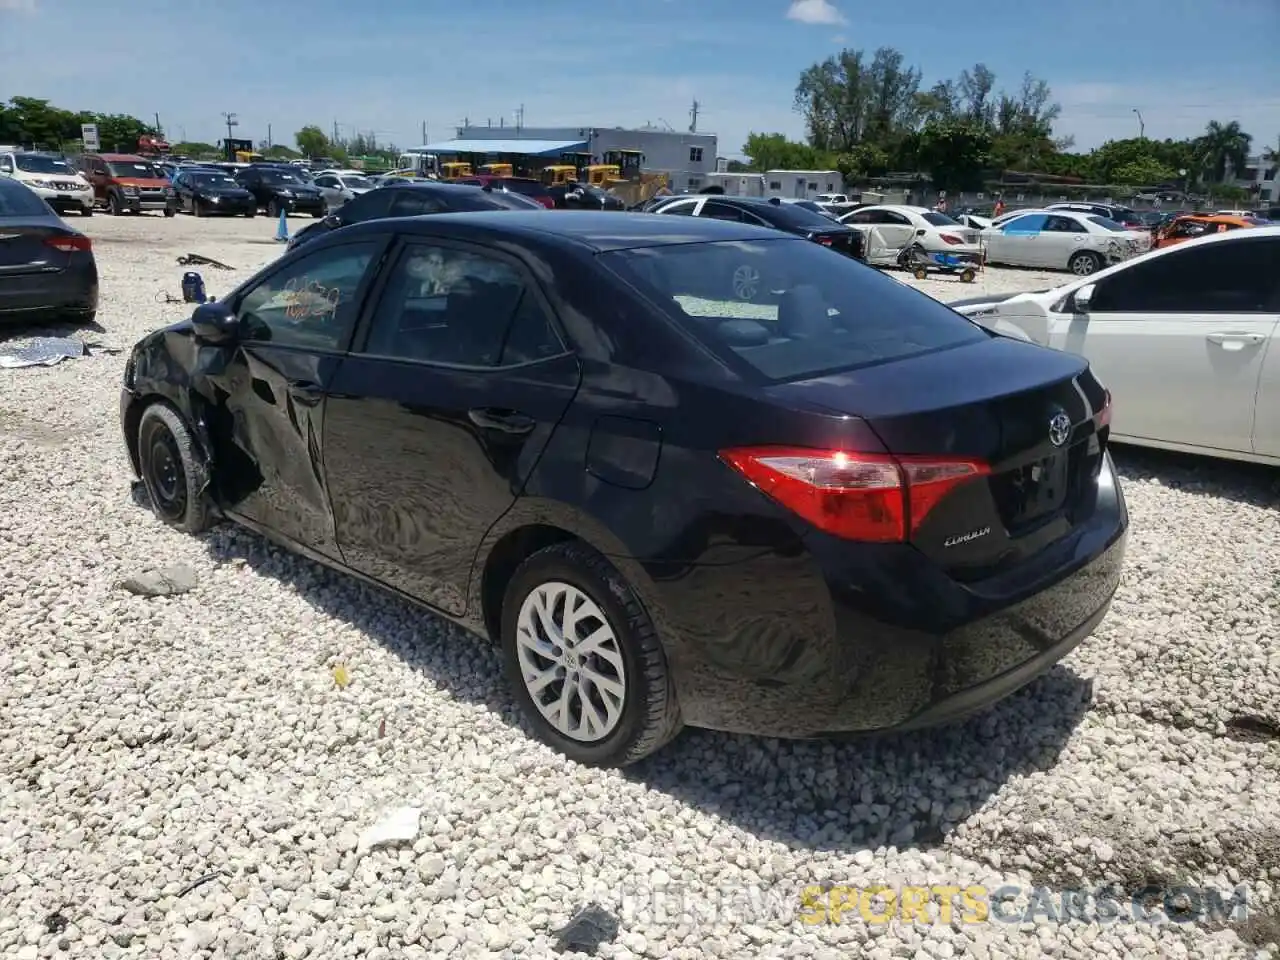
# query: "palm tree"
1271,155
1224,145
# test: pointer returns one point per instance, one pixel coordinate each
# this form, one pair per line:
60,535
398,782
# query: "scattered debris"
199,260
587,930
398,827
1252,729
341,675
165,582
382,728
43,352
197,882
55,922
164,296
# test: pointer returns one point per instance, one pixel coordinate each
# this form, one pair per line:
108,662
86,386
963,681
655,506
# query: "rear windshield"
490,200
17,200
1105,224
790,309
793,215
940,220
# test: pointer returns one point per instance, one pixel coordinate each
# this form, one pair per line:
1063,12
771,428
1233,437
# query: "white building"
1260,175
802,184
738,184
687,157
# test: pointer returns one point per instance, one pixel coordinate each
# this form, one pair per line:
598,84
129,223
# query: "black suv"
409,199
787,217
205,192
279,188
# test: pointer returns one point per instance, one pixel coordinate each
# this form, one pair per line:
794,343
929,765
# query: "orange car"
1199,225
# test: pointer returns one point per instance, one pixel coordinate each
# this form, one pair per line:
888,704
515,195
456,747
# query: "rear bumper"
853,639
69,292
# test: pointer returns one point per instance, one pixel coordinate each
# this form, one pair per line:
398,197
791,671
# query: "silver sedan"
338,188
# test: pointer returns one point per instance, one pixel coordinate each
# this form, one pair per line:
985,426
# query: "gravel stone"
182,776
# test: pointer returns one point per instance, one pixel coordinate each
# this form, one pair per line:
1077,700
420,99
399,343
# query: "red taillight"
69,244
825,241
546,202
876,498
952,239
1103,416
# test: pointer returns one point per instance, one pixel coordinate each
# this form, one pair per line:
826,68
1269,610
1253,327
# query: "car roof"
599,232
116,156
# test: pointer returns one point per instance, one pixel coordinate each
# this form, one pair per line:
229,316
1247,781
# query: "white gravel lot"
182,777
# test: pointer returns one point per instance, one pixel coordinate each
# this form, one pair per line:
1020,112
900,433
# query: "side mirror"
1083,297
332,221
214,323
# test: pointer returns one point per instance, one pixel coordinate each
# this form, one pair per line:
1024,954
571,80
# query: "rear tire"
273,209
1085,263
173,470
620,684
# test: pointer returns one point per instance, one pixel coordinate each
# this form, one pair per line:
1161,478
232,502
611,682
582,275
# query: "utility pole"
693,117
335,131
519,119
425,141
1142,127
268,136
231,123
159,131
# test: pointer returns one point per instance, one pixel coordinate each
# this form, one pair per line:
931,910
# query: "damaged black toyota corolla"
838,507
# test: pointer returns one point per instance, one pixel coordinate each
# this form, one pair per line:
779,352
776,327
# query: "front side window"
1032,223
311,303
1228,277
462,308
1061,224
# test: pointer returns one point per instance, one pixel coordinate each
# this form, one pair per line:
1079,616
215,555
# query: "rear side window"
1234,276
1106,224
17,200
791,216
414,203
790,309
939,219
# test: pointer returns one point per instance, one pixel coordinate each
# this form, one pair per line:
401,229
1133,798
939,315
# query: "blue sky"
387,67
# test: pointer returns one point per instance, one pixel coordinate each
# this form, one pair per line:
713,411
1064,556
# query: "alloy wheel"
571,662
746,282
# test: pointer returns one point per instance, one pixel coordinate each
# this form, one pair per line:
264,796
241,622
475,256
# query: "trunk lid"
841,239
24,249
999,401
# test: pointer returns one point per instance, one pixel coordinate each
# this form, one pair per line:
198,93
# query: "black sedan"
209,192
793,218
413,199
847,510
47,270
278,189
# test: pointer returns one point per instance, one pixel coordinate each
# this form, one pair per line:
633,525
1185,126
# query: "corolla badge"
1059,429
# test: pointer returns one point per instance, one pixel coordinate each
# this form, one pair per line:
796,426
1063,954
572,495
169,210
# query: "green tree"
955,152
864,161
1221,146
848,98
1145,171
118,131
773,151
312,142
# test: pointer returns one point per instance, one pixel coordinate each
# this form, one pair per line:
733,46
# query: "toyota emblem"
1059,429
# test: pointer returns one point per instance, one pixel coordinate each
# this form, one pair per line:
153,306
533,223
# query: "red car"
525,186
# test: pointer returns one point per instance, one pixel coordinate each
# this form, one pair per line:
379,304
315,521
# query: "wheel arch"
132,420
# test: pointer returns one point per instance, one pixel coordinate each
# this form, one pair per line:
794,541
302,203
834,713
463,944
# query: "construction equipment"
559,173
452,171
249,156
496,170
418,164
623,176
603,174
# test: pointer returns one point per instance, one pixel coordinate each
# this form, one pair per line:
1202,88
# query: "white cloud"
815,11
18,6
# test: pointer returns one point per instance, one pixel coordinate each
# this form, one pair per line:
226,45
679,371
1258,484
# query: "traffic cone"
282,230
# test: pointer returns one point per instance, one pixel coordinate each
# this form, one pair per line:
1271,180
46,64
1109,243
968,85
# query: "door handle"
305,393
504,421
1235,341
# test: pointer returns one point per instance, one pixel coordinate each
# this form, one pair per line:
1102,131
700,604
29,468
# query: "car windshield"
44,165
138,169
790,309
280,176
1106,224
940,219
358,183
212,180
17,200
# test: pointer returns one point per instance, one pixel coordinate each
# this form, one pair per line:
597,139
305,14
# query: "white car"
341,186
1081,243
973,221
51,178
890,230
1184,337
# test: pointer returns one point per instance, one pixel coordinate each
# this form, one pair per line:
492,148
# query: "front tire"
173,469
584,660
1084,264
273,209
115,206
170,211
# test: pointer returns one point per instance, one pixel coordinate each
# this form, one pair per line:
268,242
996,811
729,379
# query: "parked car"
831,198
412,199
583,196
891,231
52,178
125,183
773,213
1080,243
1198,225
858,511
1184,336
277,189
1127,218
973,221
205,192
535,190
47,269
339,188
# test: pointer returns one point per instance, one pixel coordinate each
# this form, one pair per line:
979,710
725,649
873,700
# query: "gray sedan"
338,188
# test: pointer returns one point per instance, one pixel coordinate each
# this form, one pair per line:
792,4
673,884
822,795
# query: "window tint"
789,308
1107,224
1060,224
1032,223
940,219
1229,277
414,203
368,206
443,305
17,200
679,209
721,211
791,216
312,302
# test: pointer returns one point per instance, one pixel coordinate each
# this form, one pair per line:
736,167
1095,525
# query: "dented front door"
294,327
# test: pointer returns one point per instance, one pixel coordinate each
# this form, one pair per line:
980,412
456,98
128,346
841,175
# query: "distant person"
941,205
999,208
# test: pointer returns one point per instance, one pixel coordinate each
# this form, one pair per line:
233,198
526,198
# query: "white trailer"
802,184
738,184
